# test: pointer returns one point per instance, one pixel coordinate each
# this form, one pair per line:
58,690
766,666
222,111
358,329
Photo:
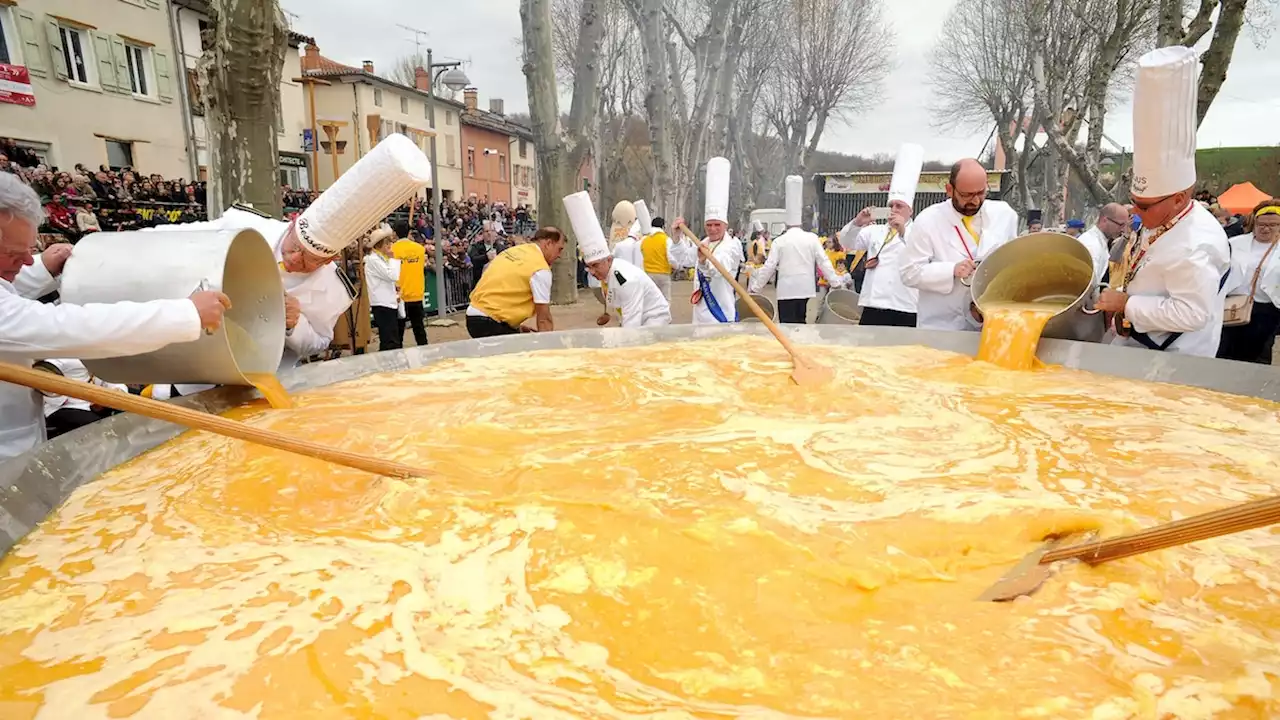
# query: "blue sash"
713,306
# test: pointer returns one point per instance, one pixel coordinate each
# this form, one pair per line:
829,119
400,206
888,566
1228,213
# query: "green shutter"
29,36
164,76
55,50
107,64
120,60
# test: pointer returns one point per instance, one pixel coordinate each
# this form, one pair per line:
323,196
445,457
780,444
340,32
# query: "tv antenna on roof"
417,37
291,17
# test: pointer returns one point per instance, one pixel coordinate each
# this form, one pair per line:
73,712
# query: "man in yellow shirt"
413,284
515,286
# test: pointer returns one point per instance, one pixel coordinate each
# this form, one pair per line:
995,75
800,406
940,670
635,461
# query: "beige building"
356,107
524,172
190,19
104,86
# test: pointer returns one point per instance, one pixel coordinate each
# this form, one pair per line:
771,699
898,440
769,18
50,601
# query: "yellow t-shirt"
504,293
654,250
412,257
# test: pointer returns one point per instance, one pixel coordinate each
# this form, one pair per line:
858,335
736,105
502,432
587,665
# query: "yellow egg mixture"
670,531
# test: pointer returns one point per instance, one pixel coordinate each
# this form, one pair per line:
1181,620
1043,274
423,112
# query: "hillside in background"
1220,168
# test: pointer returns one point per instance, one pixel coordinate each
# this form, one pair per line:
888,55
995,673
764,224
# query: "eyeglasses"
965,197
1268,226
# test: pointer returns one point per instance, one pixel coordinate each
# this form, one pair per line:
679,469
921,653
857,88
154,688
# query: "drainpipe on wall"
357,121
184,94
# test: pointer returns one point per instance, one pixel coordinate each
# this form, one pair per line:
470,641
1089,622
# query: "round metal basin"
745,314
34,484
840,307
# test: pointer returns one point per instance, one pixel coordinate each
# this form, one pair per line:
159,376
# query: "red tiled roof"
321,65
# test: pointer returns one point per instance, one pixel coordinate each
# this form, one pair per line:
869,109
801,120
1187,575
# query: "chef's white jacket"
1246,255
628,249
75,370
796,256
882,286
936,241
1178,286
728,252
381,276
633,297
30,331
1099,250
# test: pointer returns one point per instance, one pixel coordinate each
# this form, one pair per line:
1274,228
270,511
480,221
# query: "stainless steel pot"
745,314
840,307
1044,267
171,264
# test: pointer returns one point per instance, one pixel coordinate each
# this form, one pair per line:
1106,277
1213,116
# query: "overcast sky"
484,33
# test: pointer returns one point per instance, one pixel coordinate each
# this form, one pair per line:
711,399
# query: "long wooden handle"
1238,518
742,293
49,383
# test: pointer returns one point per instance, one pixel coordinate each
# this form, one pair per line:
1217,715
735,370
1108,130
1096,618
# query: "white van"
773,219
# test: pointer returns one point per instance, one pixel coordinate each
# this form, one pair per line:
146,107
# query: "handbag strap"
1253,286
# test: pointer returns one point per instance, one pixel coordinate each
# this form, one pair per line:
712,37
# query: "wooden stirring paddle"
804,370
50,383
1031,573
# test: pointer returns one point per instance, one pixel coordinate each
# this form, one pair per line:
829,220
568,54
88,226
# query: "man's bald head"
1113,220
967,186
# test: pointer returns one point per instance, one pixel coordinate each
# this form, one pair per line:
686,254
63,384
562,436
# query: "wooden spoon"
1031,573
98,395
805,371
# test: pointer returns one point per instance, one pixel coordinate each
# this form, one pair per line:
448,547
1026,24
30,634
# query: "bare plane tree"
1225,19
831,64
562,147
239,77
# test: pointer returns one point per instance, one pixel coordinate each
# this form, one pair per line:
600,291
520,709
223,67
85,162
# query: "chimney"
422,79
470,98
495,106
311,59
368,66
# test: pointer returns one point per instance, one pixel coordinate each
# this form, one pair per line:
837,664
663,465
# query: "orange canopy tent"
1242,199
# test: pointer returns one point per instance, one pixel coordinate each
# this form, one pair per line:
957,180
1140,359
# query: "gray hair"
17,199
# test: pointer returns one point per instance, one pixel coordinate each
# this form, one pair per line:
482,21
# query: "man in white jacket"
315,296
630,295
30,330
884,299
1171,296
797,257
714,300
947,241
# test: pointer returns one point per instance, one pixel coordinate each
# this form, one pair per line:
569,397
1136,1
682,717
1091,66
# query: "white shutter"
164,76
55,50
29,36
107,77
121,62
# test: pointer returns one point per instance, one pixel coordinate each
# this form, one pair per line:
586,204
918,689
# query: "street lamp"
455,79
490,152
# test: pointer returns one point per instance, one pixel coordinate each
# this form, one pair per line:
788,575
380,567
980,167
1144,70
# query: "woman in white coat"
1255,272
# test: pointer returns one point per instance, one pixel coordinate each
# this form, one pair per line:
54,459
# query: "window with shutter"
450,154
404,106
377,97
9,52
74,55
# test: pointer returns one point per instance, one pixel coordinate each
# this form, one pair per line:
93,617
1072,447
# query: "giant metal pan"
32,485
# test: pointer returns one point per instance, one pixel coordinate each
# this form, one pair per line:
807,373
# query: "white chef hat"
794,185
643,217
375,186
582,216
906,173
717,207
1164,122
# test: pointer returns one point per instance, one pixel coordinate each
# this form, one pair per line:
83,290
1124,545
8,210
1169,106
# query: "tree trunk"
1215,60
544,113
240,79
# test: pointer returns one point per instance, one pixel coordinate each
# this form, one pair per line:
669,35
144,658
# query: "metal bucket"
745,314
840,307
1043,267
171,264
